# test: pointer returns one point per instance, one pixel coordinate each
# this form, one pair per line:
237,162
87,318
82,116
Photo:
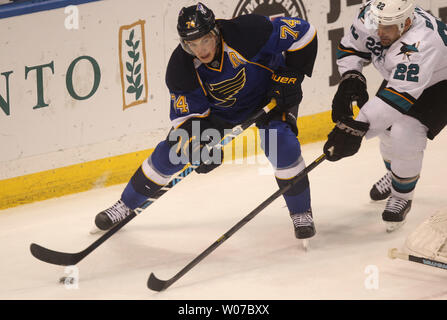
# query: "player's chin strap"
68,259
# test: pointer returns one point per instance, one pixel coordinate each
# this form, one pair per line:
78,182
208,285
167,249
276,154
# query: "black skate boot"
108,218
382,188
395,212
303,224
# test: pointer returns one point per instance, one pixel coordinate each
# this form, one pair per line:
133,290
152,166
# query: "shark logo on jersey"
407,50
226,90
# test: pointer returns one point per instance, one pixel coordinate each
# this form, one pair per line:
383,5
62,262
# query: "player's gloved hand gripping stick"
68,259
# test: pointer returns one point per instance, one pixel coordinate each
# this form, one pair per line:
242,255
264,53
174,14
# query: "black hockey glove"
352,87
286,89
345,139
194,150
210,158
210,161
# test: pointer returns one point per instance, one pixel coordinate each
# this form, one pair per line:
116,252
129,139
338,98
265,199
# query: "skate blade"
305,244
378,201
95,230
393,226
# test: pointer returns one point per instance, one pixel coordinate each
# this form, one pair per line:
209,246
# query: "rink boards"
83,97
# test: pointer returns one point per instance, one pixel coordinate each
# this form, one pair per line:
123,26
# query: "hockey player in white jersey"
408,46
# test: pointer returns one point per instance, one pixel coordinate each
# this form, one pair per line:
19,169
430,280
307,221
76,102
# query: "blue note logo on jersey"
225,91
272,9
407,50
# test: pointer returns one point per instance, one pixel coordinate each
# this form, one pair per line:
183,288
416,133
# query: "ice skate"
106,219
304,227
382,188
395,212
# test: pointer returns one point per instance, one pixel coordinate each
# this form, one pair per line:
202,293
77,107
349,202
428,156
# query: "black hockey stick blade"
70,259
55,257
156,284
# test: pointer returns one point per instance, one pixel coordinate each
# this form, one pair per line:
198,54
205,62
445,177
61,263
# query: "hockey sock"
387,164
403,187
284,152
298,197
153,174
139,189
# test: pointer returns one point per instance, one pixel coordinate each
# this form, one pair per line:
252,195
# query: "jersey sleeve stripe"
398,100
177,122
343,52
305,40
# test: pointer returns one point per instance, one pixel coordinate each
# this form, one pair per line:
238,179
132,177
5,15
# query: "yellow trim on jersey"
344,50
285,179
234,59
221,58
315,34
255,63
291,22
398,94
200,116
200,82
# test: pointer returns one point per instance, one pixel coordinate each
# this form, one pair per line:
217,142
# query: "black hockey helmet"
194,22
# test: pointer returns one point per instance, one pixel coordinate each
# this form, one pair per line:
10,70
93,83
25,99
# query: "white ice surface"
262,260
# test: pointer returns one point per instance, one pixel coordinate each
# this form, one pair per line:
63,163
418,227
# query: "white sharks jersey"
414,62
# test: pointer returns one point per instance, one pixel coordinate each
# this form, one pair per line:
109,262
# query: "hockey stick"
158,285
68,259
395,253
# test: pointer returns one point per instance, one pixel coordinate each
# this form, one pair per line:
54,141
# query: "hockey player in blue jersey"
408,46
222,72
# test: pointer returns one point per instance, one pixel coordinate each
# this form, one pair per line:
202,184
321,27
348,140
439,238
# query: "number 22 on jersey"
409,73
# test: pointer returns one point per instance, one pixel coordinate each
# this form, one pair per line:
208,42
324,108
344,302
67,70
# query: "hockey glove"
286,89
211,159
194,150
345,139
352,87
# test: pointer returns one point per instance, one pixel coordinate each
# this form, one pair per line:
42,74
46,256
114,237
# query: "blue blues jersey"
235,84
